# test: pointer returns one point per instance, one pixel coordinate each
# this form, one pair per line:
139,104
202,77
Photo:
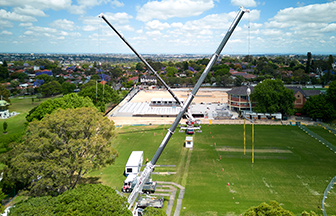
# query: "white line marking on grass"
269,186
313,192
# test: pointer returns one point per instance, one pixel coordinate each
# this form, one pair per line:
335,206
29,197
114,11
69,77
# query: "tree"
5,93
68,88
151,211
61,148
318,107
5,126
171,71
308,62
46,78
271,209
272,97
72,100
89,199
331,93
14,83
109,96
50,89
4,74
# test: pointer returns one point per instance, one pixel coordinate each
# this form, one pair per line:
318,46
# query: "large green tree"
318,107
271,96
104,94
46,78
5,93
88,200
50,89
68,88
60,149
67,101
4,74
331,93
271,209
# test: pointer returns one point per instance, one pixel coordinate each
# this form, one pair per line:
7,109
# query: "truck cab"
131,180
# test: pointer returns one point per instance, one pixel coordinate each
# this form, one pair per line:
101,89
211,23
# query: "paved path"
172,197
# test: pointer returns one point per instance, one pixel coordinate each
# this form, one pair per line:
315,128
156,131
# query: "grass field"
290,167
23,106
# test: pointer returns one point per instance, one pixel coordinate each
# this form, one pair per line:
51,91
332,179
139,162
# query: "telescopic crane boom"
150,165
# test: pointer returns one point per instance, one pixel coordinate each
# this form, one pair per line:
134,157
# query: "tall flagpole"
252,142
244,139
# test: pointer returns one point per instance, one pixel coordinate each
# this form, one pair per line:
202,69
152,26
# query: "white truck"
134,163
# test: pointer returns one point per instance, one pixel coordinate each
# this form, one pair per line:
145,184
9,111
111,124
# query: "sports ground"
219,179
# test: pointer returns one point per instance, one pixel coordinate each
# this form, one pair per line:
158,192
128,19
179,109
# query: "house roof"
306,93
240,90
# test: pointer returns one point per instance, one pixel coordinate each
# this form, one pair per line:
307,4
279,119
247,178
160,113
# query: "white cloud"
39,4
29,11
28,32
173,8
5,23
117,3
119,19
310,13
140,31
156,25
154,33
25,24
63,24
176,25
15,17
6,33
244,3
89,3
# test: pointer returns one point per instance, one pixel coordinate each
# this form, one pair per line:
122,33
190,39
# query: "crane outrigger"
151,164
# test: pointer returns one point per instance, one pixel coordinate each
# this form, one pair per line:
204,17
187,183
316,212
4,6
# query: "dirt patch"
203,95
229,149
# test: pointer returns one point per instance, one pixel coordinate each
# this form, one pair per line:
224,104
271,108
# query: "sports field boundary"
319,138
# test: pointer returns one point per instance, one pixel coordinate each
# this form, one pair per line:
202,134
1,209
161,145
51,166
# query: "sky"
167,26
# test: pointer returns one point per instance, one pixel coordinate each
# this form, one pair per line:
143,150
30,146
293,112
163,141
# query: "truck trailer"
134,163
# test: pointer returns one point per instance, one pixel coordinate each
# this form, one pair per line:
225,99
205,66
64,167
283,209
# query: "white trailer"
189,142
134,163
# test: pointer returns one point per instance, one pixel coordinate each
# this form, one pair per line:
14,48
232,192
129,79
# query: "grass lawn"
23,106
289,167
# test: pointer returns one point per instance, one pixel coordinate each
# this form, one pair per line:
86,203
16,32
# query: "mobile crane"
145,175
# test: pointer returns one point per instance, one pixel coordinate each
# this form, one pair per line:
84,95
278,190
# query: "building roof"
306,93
240,90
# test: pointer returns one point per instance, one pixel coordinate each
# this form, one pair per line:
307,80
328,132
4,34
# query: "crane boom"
143,60
150,165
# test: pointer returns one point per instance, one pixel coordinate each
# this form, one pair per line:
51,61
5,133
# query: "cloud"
6,33
154,33
317,13
5,23
117,3
118,19
29,11
39,4
244,3
176,25
25,24
173,8
15,17
63,24
29,33
156,25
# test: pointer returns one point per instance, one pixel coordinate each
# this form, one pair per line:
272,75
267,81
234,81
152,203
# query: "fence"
326,192
327,127
319,138
332,148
